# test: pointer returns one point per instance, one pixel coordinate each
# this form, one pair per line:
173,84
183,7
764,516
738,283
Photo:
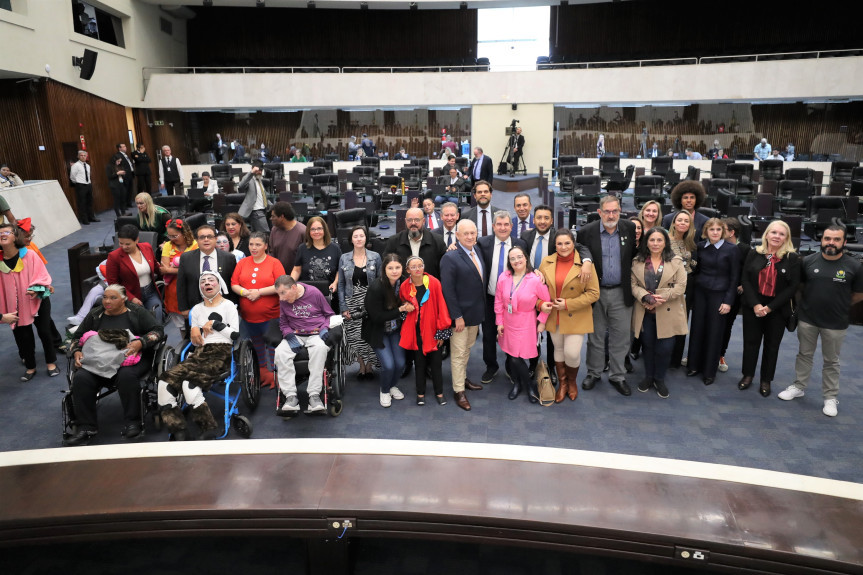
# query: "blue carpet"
717,424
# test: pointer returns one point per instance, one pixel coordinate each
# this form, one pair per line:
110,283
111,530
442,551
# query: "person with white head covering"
214,326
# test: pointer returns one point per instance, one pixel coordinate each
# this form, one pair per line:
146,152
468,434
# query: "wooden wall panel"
638,30
222,36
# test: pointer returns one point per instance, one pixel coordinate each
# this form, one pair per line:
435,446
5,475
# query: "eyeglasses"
174,237
610,212
207,237
516,257
413,219
316,229
4,234
416,266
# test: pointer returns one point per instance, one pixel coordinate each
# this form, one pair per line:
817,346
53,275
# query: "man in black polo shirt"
832,282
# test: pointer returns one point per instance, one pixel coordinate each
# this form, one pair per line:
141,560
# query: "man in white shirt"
449,218
254,207
170,173
80,176
494,250
524,220
129,180
482,213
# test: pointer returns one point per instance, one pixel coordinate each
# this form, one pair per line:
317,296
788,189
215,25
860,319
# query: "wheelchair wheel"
68,410
248,374
335,408
337,379
242,425
166,361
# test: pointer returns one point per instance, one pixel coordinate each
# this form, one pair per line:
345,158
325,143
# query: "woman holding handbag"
515,302
571,315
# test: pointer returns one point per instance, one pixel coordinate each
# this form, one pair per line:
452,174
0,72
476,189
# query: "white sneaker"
396,393
315,404
791,392
386,400
830,407
723,366
684,361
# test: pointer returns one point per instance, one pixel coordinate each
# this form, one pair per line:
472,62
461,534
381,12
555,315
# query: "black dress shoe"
516,389
441,400
28,375
589,382
95,220
691,372
471,386
764,388
488,376
81,437
622,387
132,430
744,382
84,223
627,364
709,380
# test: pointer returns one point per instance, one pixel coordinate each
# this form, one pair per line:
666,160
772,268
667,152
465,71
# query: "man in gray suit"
254,207
483,213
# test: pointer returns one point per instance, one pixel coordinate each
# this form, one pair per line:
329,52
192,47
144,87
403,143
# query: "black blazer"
432,247
700,220
373,325
589,235
188,274
486,250
486,171
718,269
463,289
787,281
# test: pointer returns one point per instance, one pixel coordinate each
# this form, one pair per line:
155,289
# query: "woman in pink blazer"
515,304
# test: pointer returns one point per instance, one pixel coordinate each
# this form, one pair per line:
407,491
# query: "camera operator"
517,148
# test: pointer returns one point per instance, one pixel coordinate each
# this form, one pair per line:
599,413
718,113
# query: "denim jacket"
346,274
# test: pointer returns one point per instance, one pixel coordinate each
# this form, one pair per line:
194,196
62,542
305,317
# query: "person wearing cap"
254,207
214,328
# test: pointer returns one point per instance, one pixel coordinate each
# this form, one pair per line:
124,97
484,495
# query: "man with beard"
417,241
832,282
254,208
482,213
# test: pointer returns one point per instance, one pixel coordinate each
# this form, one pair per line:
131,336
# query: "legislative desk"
707,517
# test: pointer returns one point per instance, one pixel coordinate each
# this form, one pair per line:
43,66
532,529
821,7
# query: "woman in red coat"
426,327
133,266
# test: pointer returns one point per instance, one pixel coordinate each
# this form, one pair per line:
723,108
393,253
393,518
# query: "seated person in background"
777,155
692,155
402,155
431,217
8,178
455,185
214,328
209,185
304,319
298,156
110,322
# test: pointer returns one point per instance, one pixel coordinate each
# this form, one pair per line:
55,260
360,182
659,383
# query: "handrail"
808,54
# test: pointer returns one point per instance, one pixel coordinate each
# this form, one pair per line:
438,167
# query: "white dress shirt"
495,262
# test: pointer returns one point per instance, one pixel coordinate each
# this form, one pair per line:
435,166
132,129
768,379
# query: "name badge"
509,308
169,168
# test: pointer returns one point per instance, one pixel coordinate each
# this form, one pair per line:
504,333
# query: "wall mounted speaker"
87,64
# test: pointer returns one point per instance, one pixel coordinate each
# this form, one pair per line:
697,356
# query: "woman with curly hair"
180,240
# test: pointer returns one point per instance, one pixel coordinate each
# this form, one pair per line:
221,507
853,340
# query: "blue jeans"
656,352
392,358
150,299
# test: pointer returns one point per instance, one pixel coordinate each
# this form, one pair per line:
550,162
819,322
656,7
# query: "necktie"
263,193
537,258
500,258
431,222
521,231
448,239
476,263
484,224
206,267
86,172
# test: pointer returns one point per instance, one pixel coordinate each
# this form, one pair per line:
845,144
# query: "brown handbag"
544,387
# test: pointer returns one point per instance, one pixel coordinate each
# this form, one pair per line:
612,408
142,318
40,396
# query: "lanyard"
514,288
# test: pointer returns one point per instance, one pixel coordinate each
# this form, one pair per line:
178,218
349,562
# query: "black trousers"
118,193
489,336
129,184
770,329
705,335
84,202
680,340
174,188
732,315
434,361
26,342
144,183
86,386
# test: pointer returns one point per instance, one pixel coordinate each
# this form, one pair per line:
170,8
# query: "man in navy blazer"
494,259
481,167
463,280
523,221
449,217
191,265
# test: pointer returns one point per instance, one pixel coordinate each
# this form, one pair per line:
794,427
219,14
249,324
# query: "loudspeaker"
87,64
515,106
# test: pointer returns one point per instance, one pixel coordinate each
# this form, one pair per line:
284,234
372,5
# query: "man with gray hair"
494,250
416,240
254,207
762,150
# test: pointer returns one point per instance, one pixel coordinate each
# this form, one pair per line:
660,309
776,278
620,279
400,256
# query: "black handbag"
791,320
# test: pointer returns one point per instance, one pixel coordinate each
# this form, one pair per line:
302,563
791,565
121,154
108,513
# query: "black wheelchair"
333,388
162,359
242,380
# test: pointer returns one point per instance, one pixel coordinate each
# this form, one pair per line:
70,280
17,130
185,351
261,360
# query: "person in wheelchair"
304,319
110,322
214,328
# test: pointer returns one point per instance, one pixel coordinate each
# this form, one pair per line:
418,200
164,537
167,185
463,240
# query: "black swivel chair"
661,165
176,205
771,169
327,165
567,161
719,167
823,212
647,188
693,173
794,196
347,220
609,165
743,174
619,182
374,162
567,173
388,194
805,174
412,176
842,172
586,189
325,193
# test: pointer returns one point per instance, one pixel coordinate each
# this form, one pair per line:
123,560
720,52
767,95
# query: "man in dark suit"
432,219
449,217
129,168
539,243
523,221
494,250
483,213
463,280
193,262
430,247
687,195
481,167
611,242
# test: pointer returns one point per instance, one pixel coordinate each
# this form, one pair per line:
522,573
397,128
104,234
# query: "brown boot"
572,375
562,380
172,418
203,418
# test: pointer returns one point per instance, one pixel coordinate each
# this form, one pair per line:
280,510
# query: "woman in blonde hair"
770,277
152,218
682,240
